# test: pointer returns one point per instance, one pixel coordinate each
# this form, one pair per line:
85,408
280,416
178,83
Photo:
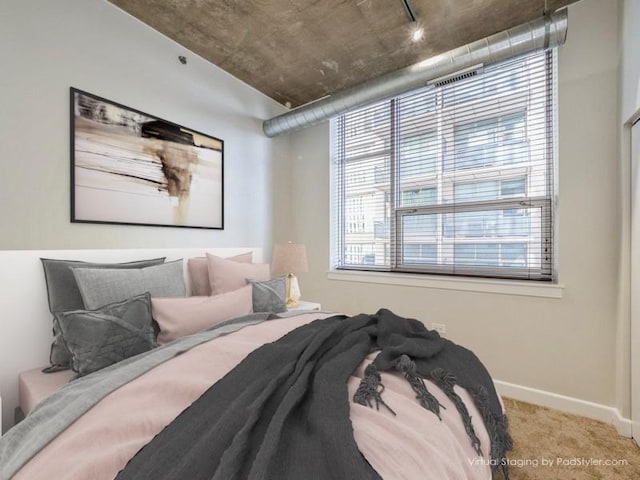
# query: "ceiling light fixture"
417,32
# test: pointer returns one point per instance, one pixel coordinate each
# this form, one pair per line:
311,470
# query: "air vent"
455,79
457,76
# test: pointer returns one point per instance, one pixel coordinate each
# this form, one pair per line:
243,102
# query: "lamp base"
293,291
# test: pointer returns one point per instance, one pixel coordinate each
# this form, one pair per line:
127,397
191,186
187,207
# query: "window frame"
447,125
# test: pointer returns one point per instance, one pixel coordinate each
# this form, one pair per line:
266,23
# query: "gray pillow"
269,296
99,338
63,295
103,286
62,289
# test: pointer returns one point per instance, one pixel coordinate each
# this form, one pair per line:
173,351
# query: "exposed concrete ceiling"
297,51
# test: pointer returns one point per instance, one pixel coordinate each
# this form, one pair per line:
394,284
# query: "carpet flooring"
551,445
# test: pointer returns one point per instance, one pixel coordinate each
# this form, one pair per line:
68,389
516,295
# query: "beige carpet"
551,445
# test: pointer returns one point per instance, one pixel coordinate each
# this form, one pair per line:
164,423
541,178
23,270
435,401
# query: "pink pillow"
180,316
199,273
227,275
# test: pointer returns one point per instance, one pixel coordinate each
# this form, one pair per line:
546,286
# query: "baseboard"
596,411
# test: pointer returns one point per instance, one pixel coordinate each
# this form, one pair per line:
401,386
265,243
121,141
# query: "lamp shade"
289,258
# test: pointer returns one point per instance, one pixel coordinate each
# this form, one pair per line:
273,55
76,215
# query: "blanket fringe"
497,427
446,382
371,388
427,400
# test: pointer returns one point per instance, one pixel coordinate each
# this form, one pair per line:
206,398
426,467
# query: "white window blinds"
454,179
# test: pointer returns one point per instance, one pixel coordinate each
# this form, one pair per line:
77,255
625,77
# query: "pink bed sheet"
34,386
413,445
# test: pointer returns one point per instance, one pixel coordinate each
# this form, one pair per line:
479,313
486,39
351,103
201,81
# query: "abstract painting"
129,167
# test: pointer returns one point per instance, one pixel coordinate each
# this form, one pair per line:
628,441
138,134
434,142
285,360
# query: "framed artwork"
129,167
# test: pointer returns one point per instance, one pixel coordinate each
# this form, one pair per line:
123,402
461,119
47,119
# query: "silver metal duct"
545,32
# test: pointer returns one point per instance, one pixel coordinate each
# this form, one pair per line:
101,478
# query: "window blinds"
455,179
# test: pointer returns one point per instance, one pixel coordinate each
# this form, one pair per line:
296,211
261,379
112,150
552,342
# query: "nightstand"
302,305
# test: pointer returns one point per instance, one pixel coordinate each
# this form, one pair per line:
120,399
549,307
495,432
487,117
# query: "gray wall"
568,345
48,46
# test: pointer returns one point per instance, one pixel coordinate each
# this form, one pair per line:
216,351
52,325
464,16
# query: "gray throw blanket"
283,412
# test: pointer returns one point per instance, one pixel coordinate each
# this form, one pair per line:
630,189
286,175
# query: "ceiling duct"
545,32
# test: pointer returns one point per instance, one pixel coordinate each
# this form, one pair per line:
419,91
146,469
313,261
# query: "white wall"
568,345
46,47
630,64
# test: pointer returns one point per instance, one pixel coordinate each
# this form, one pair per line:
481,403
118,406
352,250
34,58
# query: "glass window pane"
418,156
366,228
513,188
478,254
366,130
419,226
494,141
419,253
514,223
363,172
471,192
514,254
488,224
494,81
472,224
360,254
421,197
416,107
482,238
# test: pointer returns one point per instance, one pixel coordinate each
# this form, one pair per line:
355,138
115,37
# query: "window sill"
484,285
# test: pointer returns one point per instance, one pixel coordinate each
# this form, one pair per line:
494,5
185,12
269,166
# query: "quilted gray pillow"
103,286
63,295
99,338
269,296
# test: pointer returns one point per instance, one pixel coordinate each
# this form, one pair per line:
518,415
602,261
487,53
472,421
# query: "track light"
409,10
418,34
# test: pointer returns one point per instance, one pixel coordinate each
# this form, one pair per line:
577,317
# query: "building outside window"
452,179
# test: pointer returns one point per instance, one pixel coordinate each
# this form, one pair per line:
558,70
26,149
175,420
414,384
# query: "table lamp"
289,258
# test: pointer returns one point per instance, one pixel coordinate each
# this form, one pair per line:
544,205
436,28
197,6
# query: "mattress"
34,386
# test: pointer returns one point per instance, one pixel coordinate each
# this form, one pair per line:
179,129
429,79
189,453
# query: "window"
454,179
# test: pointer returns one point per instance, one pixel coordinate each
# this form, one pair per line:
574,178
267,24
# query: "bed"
391,419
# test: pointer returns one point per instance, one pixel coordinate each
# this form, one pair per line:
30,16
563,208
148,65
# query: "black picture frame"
129,167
